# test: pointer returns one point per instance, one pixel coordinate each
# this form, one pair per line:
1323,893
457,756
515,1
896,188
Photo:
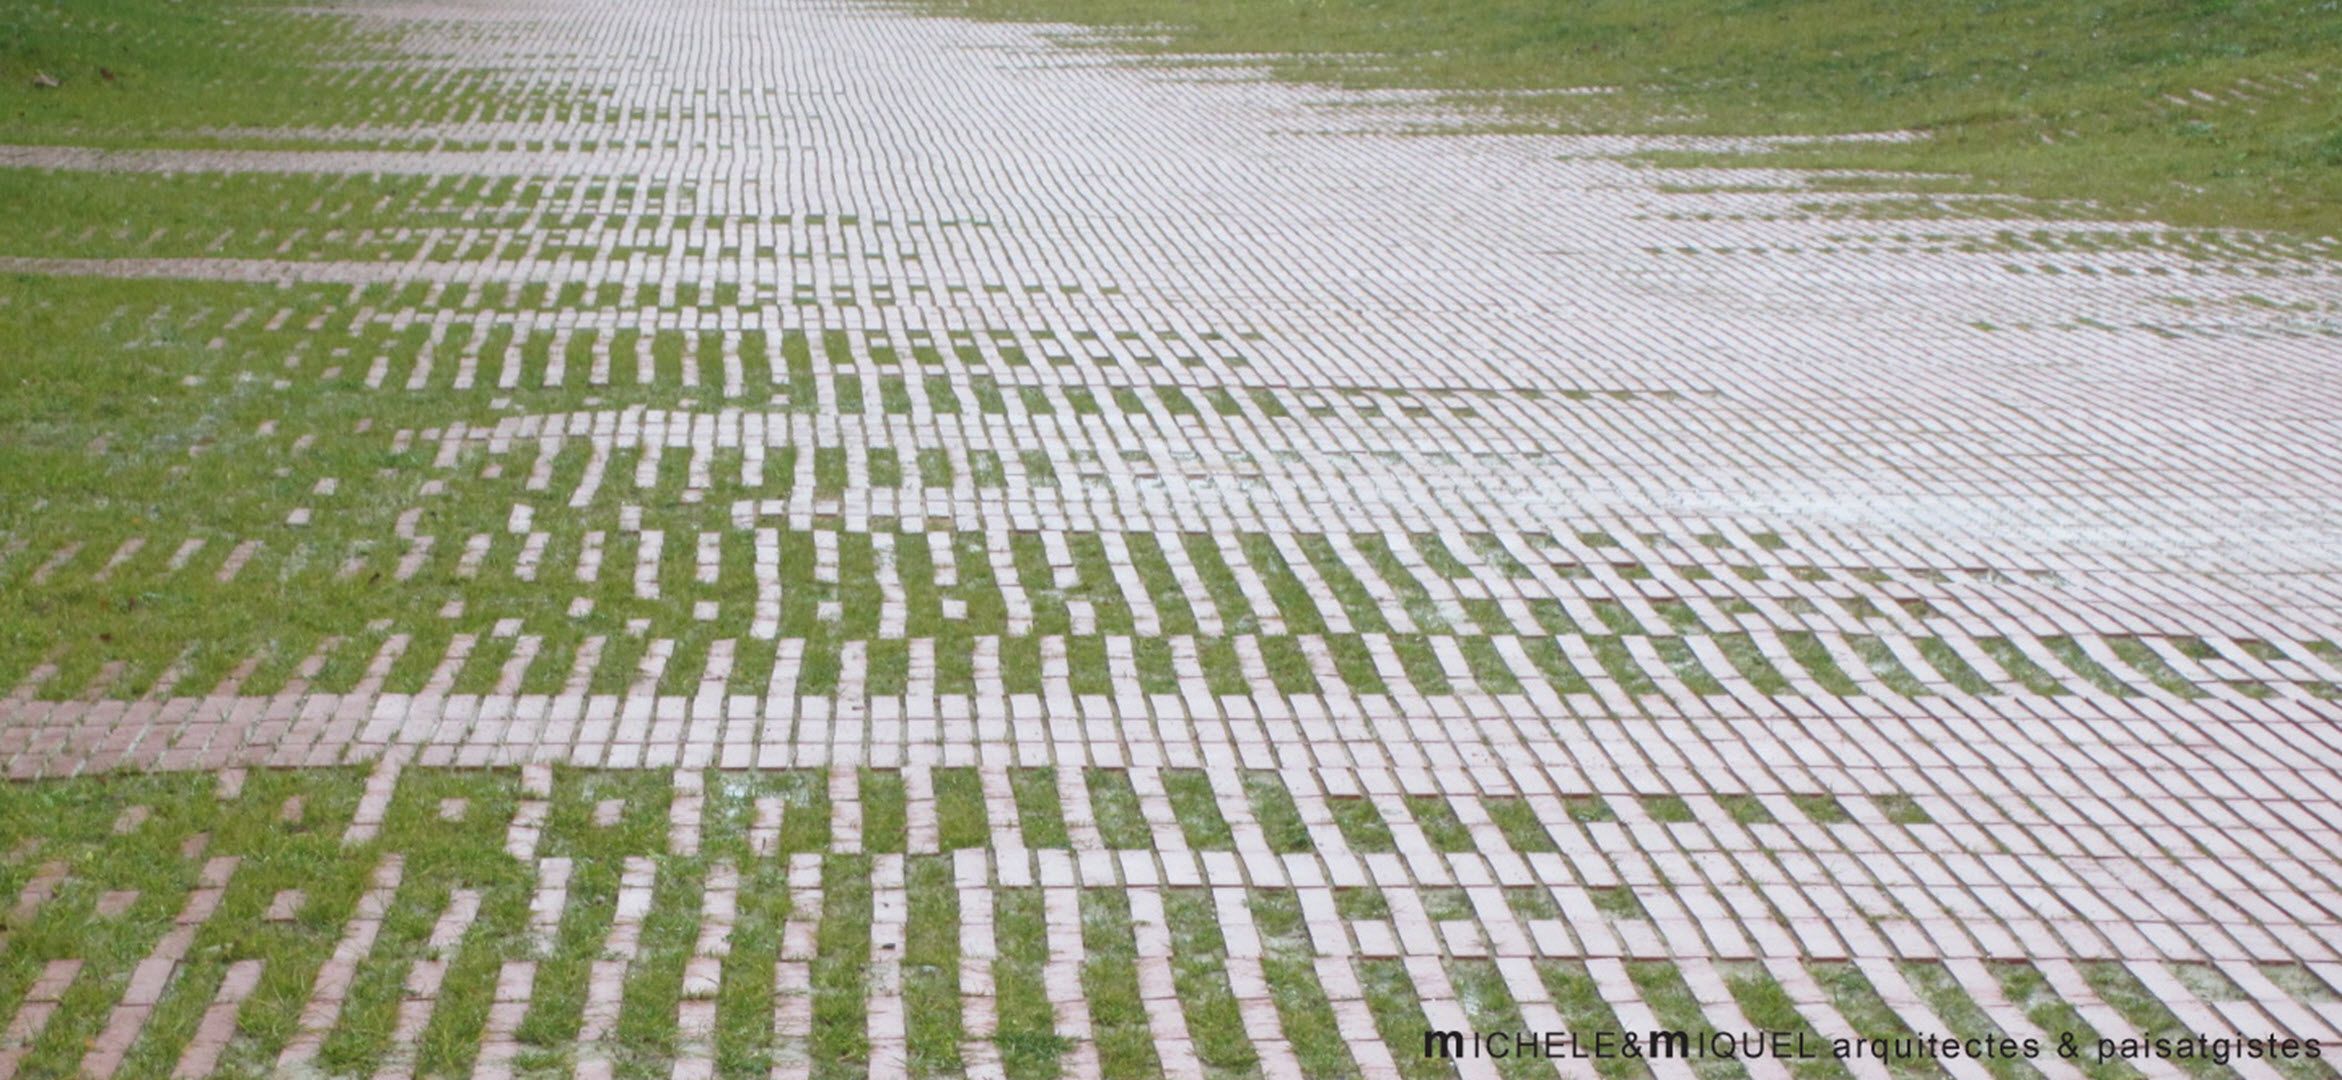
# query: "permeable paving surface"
808,539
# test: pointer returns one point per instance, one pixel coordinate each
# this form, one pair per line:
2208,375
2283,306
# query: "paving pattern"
1342,564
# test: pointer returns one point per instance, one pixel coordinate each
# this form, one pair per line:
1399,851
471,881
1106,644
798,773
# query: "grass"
1671,1001
1766,1004
142,416
1398,1017
646,1034
1745,809
1822,809
159,431
1668,809
1300,999
1588,808
931,968
1109,977
1199,969
139,72
2028,989
1964,1017
1439,823
1903,810
885,822
1279,817
1580,1002
1190,794
1364,902
1489,1006
1040,813
841,969
1517,820
1362,825
1027,1033
959,810
72,822
744,1002
1114,806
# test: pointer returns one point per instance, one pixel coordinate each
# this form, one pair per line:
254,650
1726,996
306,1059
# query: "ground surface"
1000,559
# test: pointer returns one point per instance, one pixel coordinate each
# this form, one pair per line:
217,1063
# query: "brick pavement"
1905,592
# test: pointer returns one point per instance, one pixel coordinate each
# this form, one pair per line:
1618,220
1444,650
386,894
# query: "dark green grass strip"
1040,811
1767,1005
885,825
959,810
645,1038
1279,818
1671,1001
841,970
1868,1013
744,1004
1199,958
1030,1048
1398,1016
931,967
1361,824
1287,964
1114,803
1118,1017
1439,823
1579,1000
2028,989
1963,1017
1518,822
1190,794
1489,1005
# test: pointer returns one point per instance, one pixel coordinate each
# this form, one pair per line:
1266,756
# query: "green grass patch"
1190,795
1027,1033
1114,805
931,967
1279,817
1118,1016
1361,825
1040,813
1288,965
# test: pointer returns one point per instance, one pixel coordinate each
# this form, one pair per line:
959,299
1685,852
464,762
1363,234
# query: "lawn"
2211,113
184,73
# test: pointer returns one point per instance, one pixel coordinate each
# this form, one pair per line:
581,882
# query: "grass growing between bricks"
1767,1005
1199,969
1109,978
1398,1016
1279,817
1961,1016
931,967
1579,1000
2029,990
1190,794
1040,809
744,1004
75,824
1294,987
1670,998
1489,1006
450,827
1030,1046
841,969
1114,804
170,525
